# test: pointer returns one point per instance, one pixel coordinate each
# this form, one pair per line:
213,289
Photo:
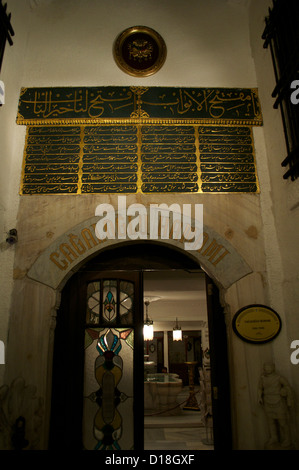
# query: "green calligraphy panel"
109,159
95,105
169,162
227,161
83,140
139,159
52,160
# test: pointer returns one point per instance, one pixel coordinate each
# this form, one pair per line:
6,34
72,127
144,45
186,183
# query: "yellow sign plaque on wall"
256,324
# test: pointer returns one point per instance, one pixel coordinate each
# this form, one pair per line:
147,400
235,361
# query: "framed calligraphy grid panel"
136,151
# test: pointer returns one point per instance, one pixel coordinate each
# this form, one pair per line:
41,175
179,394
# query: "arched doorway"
121,268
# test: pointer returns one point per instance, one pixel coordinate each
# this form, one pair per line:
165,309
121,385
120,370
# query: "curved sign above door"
65,254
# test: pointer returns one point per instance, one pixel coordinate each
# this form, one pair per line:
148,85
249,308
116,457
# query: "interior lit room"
177,357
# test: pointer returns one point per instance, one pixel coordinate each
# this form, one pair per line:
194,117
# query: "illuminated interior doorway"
96,415
177,394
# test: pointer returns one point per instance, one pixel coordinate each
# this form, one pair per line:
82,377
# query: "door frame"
220,379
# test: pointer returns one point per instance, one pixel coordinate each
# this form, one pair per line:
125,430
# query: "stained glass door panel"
108,389
110,301
109,406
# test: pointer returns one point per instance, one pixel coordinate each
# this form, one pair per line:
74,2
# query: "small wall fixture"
12,237
177,332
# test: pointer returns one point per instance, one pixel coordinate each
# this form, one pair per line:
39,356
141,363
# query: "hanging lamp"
177,332
148,327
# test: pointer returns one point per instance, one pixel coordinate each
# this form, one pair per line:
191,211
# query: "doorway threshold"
187,419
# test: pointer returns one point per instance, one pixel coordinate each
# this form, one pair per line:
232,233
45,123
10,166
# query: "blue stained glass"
109,302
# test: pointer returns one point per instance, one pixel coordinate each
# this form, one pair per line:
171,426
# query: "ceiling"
180,294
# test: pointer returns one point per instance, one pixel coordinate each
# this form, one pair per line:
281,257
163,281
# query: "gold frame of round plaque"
139,51
256,324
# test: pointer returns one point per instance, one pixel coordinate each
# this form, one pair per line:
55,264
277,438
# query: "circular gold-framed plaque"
256,324
139,51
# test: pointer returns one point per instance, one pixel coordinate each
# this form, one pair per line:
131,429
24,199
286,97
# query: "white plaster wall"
11,142
280,206
69,43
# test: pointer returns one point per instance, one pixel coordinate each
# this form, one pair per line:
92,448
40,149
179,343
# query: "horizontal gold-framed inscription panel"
138,105
139,159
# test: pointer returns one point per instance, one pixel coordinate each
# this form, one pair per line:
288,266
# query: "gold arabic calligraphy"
131,102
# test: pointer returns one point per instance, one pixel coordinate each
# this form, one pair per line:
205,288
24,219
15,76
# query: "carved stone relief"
276,397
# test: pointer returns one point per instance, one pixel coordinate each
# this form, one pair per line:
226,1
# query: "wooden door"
97,394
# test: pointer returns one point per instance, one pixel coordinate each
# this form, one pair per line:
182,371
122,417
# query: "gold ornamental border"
148,121
129,34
